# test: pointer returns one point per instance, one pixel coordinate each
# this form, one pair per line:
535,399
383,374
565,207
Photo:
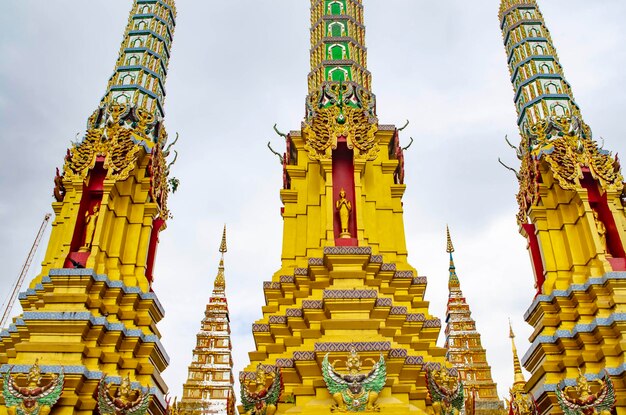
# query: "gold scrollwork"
117,133
112,141
325,128
565,145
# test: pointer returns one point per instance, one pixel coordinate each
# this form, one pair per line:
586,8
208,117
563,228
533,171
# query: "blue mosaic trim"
574,287
82,370
542,97
578,328
96,277
550,387
85,316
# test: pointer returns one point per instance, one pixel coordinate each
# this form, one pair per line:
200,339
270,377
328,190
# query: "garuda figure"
580,400
446,392
355,391
260,395
124,401
522,403
34,398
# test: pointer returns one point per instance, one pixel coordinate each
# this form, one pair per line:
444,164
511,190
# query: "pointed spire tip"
517,367
223,247
450,247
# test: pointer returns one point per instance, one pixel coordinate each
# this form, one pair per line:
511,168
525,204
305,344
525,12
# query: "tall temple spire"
520,402
110,206
345,286
453,280
517,366
141,68
338,51
465,350
209,386
538,82
220,281
570,211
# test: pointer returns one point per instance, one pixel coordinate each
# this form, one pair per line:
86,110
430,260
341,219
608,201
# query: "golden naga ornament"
564,145
260,395
33,398
580,400
446,392
124,401
355,391
341,110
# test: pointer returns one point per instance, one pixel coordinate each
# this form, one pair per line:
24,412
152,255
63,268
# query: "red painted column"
343,178
598,202
92,196
157,224
535,255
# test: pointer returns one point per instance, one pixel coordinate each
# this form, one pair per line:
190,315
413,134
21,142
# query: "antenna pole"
20,279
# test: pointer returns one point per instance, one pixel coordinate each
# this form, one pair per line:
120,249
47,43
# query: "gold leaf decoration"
341,110
565,146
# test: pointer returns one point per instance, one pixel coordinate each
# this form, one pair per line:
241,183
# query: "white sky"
238,67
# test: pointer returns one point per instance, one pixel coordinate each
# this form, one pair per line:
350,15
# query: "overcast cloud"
237,68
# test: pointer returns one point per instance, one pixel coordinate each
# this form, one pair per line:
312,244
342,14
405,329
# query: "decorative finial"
223,248
517,367
220,281
453,281
450,247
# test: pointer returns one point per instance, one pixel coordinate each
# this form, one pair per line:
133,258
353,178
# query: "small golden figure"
90,227
601,227
344,207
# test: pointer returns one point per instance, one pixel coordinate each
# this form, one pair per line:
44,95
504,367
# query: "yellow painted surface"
309,272
82,341
573,253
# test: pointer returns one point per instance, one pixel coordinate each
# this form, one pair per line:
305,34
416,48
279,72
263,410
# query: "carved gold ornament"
565,146
113,141
117,134
338,110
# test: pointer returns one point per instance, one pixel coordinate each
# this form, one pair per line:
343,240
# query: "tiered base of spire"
87,326
582,327
348,298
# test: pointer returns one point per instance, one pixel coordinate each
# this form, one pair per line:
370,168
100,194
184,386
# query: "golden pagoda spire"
517,367
209,386
454,279
223,248
450,247
110,206
220,281
141,68
333,185
464,346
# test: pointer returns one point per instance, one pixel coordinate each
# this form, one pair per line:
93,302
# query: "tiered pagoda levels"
465,350
209,387
345,288
91,311
338,44
538,82
571,214
139,76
